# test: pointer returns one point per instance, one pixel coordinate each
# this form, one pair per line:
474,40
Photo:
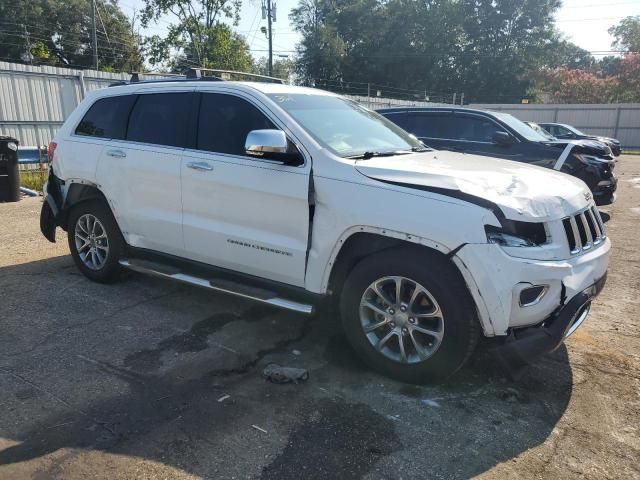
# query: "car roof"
435,108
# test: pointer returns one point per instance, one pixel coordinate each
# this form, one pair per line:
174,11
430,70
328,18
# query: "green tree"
282,67
225,50
485,48
58,32
562,53
627,34
196,32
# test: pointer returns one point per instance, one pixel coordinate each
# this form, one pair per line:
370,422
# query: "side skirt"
233,283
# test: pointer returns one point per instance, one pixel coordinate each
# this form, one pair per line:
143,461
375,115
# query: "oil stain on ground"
193,340
337,440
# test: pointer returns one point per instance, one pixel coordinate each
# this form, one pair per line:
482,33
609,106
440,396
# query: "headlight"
590,158
508,240
517,234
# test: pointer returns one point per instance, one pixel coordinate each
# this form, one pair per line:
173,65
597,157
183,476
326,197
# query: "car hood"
588,147
607,139
522,192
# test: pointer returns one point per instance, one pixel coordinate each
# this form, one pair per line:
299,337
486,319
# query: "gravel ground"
152,379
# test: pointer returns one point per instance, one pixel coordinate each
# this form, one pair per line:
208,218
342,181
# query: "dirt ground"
129,381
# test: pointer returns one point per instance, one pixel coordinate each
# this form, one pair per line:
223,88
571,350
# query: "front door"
239,212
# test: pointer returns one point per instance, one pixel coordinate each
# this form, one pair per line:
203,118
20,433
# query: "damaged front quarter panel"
523,192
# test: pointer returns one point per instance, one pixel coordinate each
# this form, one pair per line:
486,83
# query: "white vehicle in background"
287,195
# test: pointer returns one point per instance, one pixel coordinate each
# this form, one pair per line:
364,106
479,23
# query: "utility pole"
94,36
269,18
28,40
269,13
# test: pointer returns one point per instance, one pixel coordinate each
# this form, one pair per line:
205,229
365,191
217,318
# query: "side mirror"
272,145
502,138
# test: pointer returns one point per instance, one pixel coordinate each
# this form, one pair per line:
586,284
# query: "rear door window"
107,118
161,119
431,125
225,121
474,129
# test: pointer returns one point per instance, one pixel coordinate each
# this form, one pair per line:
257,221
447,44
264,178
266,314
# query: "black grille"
584,230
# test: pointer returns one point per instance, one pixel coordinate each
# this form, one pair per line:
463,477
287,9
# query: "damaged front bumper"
524,345
497,281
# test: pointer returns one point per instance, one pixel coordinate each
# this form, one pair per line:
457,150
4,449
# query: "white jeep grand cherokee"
287,195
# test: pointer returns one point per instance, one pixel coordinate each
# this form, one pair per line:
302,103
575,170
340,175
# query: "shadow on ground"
144,380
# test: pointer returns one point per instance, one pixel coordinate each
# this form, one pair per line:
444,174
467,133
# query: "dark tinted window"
473,129
107,118
431,125
225,121
160,118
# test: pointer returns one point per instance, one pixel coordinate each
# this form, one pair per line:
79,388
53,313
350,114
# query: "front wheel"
95,241
409,315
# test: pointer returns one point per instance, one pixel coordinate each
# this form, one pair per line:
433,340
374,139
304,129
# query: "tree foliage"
627,34
198,34
58,32
486,48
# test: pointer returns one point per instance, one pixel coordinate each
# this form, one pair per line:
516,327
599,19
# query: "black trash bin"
9,174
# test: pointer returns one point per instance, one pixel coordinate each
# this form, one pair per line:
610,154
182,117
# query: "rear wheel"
409,315
95,241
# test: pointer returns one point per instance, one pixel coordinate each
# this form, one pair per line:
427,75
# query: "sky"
584,22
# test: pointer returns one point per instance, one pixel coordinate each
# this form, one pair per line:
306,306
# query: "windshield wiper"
368,155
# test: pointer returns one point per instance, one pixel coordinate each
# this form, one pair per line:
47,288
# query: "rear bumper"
526,344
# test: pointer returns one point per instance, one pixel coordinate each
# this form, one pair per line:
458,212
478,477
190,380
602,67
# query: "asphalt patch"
337,440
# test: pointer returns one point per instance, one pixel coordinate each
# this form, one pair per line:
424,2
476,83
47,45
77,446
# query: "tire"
446,293
102,266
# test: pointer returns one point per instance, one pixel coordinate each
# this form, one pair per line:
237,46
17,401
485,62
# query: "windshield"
345,127
573,129
519,126
541,131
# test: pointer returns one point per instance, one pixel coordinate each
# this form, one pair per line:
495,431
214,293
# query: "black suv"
564,131
497,134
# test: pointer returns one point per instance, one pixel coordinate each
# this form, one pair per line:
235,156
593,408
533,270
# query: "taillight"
51,150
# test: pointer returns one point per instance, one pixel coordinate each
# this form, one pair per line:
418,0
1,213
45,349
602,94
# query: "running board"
218,285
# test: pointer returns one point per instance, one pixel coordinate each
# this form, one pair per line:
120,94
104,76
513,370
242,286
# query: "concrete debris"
278,374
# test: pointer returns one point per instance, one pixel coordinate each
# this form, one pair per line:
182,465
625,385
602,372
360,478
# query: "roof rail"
165,77
196,73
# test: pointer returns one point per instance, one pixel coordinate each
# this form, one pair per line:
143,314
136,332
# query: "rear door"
141,173
240,212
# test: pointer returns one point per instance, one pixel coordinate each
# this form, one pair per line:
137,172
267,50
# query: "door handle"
203,166
116,153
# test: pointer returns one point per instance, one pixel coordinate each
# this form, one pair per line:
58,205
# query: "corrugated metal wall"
618,120
35,101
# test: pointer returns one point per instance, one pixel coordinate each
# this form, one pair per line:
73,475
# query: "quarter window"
160,118
107,118
225,121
